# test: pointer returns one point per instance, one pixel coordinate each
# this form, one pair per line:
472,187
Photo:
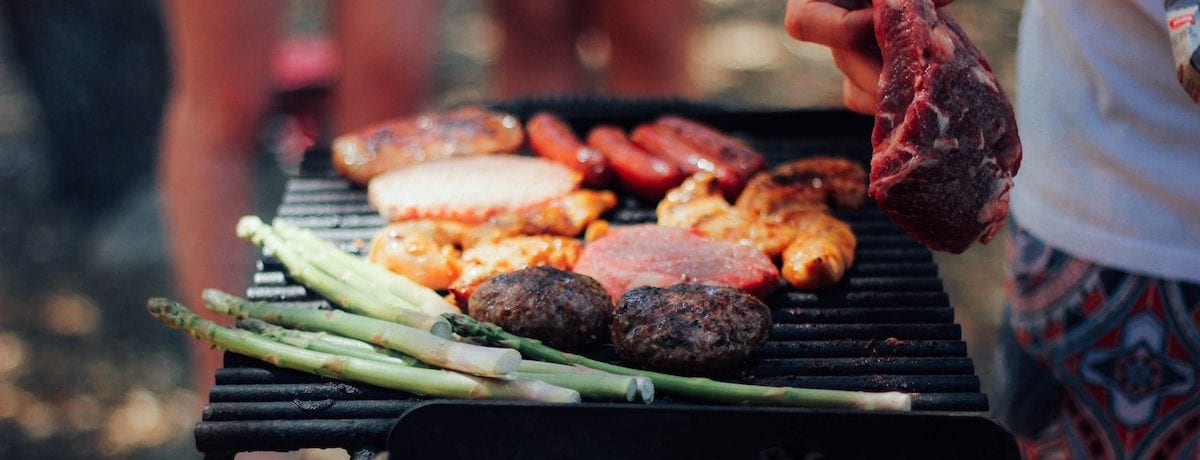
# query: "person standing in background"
1099,353
647,42
222,53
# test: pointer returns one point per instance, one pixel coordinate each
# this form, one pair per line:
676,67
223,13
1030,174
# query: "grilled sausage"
733,155
551,138
643,174
663,142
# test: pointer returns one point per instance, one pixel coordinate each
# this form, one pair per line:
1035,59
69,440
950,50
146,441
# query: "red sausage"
645,175
717,147
659,140
552,139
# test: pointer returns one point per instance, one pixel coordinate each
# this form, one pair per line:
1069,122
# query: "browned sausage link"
551,138
716,146
646,175
661,141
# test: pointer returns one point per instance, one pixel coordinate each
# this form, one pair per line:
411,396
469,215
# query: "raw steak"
945,140
650,255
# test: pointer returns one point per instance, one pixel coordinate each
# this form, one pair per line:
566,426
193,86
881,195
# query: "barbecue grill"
887,326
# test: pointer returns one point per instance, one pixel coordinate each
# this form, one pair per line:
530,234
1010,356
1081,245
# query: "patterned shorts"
1095,362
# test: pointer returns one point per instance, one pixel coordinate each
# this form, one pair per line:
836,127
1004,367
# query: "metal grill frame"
889,326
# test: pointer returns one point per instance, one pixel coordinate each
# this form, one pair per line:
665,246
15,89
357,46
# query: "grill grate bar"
905,383
793,298
854,348
862,366
290,410
863,315
905,331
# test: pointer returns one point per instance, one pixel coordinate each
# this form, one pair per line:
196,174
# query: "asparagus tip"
247,225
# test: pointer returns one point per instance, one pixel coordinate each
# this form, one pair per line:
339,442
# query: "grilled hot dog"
645,175
551,138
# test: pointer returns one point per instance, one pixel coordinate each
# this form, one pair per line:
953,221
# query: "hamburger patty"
563,309
689,329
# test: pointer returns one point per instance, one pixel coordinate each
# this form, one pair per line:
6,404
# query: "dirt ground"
85,373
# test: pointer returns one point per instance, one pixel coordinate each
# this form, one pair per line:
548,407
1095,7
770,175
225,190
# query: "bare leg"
387,49
538,56
221,55
649,45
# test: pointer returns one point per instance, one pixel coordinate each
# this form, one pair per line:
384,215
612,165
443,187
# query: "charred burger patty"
689,328
563,309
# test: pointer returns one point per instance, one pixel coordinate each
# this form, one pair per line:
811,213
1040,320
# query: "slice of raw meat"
945,141
650,255
470,189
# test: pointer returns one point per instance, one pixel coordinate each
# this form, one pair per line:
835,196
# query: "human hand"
847,27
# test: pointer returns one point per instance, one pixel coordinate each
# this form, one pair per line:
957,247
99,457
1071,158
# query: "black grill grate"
887,326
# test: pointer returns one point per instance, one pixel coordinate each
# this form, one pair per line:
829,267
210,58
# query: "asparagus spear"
692,387
591,384
362,301
428,382
428,348
324,254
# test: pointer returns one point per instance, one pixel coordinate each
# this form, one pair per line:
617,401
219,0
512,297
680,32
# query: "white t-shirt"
1111,167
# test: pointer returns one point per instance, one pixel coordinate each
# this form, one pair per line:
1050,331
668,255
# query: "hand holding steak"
945,140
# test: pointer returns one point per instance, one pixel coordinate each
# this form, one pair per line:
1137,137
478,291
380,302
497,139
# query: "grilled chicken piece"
425,251
698,204
486,260
821,253
395,144
808,181
782,212
430,251
567,215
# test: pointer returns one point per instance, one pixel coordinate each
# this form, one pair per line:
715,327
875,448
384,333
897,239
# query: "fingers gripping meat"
362,155
551,138
821,252
646,175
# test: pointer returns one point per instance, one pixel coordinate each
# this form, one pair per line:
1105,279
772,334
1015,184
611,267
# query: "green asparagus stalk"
362,301
325,254
428,348
429,382
591,384
692,387
325,343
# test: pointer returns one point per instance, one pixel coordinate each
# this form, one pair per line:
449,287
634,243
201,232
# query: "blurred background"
85,373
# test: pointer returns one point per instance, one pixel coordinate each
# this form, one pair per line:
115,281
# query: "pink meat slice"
945,142
650,255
